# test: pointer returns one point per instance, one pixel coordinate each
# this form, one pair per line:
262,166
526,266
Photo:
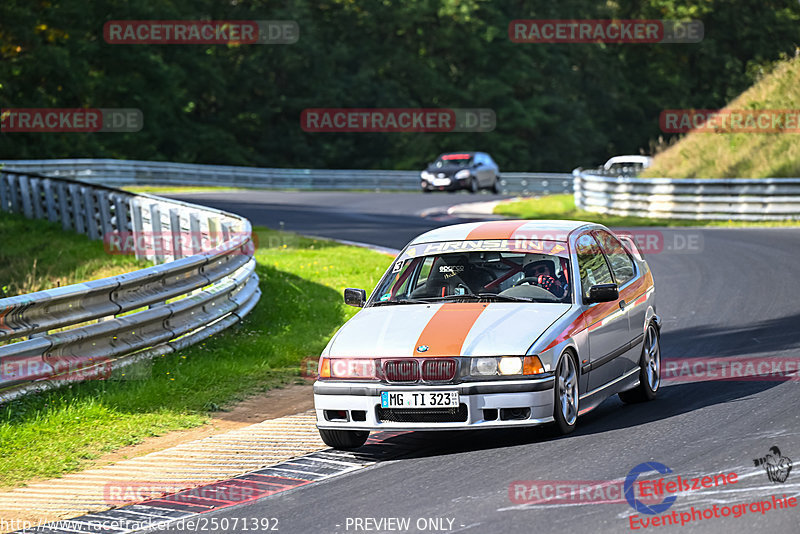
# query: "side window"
621,262
591,263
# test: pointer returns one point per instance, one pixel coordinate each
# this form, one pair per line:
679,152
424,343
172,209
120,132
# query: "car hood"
448,170
448,329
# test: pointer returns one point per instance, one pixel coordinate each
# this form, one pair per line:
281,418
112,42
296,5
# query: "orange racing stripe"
496,230
448,328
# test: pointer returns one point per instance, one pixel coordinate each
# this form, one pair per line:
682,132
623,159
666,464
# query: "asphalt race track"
732,294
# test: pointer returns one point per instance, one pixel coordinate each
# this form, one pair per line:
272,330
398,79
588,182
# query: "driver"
543,271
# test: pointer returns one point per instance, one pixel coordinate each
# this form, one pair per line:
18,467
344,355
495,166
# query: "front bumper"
479,399
454,185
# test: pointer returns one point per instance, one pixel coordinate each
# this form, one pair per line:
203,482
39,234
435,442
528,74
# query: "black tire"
496,186
473,185
566,377
649,370
426,190
343,439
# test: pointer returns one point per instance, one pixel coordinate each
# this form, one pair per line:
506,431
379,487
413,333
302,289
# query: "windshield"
538,271
453,160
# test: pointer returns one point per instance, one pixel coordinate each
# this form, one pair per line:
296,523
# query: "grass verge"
563,207
36,255
49,434
754,154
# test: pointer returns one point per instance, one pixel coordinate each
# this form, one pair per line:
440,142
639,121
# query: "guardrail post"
77,211
197,236
49,201
138,229
156,230
36,198
214,231
25,191
3,192
91,215
175,233
13,194
121,220
63,206
105,213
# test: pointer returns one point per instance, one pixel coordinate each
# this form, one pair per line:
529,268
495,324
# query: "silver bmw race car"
496,324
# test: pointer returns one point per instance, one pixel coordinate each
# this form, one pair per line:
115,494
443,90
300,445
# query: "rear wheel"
649,370
343,439
565,409
496,186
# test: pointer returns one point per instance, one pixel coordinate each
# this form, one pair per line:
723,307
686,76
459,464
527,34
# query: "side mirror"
355,297
602,293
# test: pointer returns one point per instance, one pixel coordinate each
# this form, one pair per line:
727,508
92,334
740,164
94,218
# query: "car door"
479,169
626,276
607,323
494,169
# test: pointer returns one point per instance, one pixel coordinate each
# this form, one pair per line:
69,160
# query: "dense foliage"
557,105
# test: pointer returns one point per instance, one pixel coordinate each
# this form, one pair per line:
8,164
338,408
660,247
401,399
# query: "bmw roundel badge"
422,348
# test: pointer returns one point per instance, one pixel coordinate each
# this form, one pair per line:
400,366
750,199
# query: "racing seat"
444,278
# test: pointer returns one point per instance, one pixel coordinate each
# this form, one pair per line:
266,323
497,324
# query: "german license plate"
419,399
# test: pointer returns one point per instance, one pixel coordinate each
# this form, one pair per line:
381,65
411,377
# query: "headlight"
361,368
506,366
484,366
461,175
510,366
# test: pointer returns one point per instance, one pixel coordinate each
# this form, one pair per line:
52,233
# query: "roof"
552,230
641,160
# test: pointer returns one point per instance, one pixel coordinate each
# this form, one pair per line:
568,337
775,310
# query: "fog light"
510,366
484,366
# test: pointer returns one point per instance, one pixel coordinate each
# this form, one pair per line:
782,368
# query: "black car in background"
461,170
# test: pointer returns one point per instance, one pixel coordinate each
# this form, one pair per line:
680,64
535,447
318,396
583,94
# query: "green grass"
36,255
741,155
301,280
563,207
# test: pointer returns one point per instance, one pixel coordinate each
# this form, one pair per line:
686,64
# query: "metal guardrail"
125,172
196,289
738,199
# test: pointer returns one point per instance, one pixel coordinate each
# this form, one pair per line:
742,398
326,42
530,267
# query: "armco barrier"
738,199
124,172
188,295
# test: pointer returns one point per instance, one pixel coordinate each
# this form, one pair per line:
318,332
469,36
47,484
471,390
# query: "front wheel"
343,439
473,185
565,411
649,370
